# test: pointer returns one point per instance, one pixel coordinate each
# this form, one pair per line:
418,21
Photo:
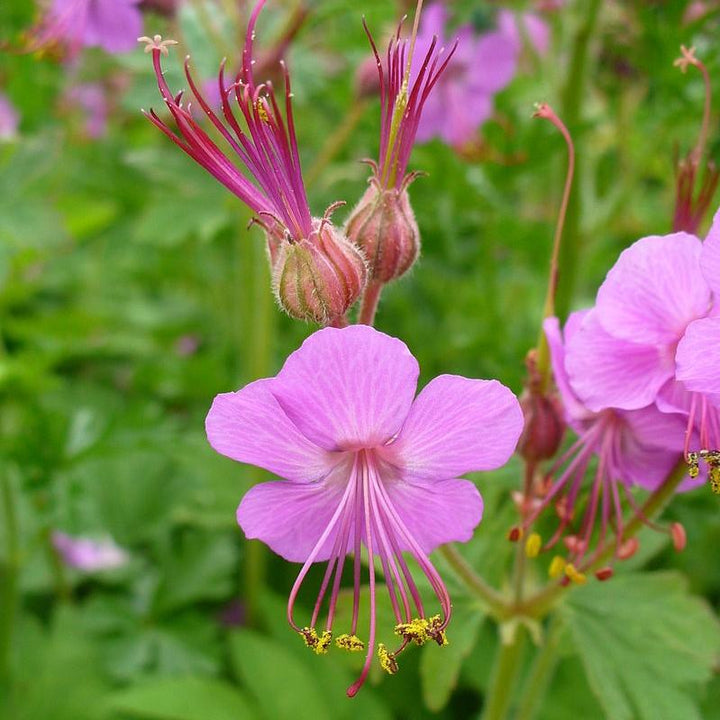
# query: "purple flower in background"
9,119
481,66
633,448
89,555
90,99
113,25
364,462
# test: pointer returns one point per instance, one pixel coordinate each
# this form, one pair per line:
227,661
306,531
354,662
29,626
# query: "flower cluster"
640,389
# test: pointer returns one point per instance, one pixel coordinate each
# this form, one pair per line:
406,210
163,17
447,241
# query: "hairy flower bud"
319,277
383,226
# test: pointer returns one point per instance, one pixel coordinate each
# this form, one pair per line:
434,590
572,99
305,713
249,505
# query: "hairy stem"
507,666
370,300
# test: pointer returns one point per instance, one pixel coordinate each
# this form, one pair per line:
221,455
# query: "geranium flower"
661,288
633,448
113,25
87,554
364,464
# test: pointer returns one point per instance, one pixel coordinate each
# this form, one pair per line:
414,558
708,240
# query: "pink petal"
349,387
605,371
494,63
710,256
655,290
290,517
698,358
250,426
114,25
457,425
574,409
437,513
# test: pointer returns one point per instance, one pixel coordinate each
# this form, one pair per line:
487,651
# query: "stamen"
574,576
557,567
533,545
351,643
387,660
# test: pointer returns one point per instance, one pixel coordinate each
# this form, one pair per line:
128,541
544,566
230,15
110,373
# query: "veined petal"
655,289
710,256
250,426
457,425
290,517
436,513
348,388
605,371
698,361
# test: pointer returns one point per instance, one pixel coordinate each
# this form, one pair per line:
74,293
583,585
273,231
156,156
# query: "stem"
505,676
371,298
572,98
543,350
8,589
336,141
254,347
472,580
539,604
541,673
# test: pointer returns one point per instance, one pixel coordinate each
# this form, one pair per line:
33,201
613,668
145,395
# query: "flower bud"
319,277
544,426
383,226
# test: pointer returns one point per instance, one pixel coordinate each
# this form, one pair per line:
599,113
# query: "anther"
557,567
351,643
533,545
604,573
628,549
416,630
679,536
515,534
435,631
572,574
387,660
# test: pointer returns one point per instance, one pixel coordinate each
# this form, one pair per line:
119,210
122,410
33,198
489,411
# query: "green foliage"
131,293
645,643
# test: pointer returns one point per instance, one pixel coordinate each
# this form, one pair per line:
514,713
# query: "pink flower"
89,555
633,448
652,336
113,25
9,119
364,463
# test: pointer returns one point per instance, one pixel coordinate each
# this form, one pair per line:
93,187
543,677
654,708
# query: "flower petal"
437,513
349,387
250,426
114,25
710,256
457,425
655,289
698,363
291,517
605,371
575,411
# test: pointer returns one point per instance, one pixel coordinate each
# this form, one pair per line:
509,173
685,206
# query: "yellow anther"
387,660
310,636
573,575
533,545
262,110
351,643
557,567
415,630
693,467
323,643
436,632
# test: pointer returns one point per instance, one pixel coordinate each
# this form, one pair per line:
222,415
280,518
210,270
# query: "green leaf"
286,688
183,698
644,642
440,667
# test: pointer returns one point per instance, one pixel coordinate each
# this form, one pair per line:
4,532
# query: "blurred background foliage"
131,293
